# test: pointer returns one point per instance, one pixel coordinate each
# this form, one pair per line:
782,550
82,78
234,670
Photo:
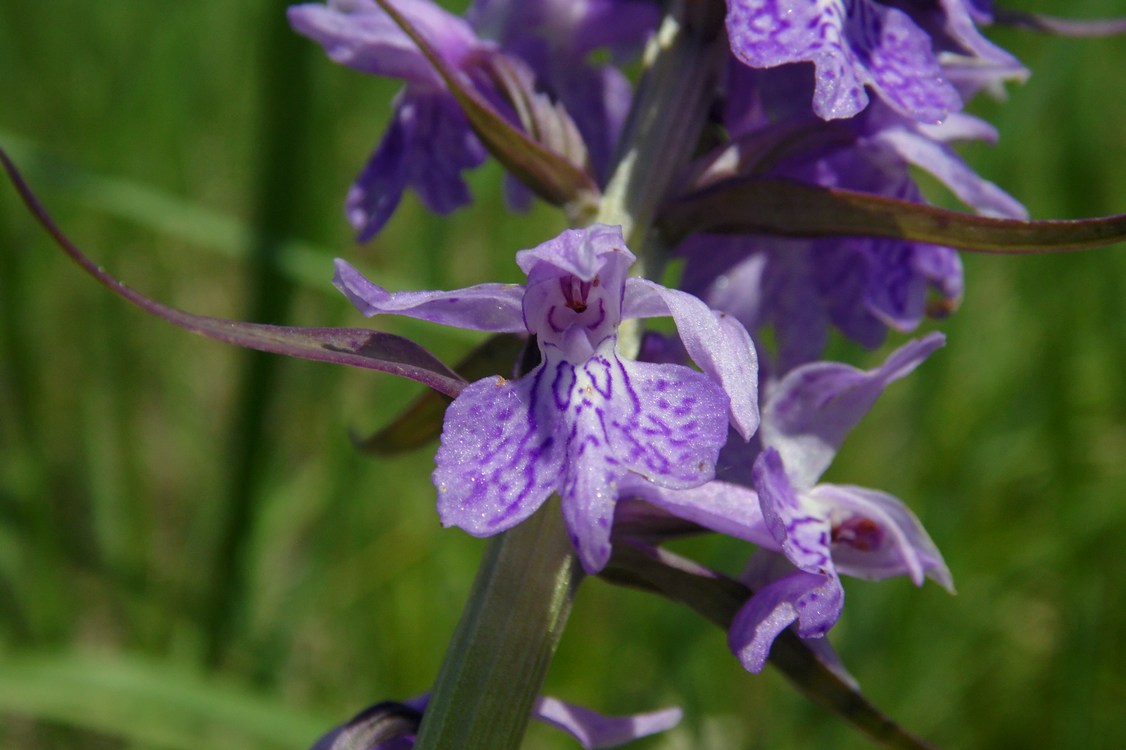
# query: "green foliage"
131,615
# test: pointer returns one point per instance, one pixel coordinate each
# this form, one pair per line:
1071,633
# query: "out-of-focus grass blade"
548,174
150,702
357,347
145,206
422,421
718,599
783,207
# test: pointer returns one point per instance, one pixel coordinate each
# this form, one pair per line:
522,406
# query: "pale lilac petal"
814,601
715,341
960,126
589,494
500,455
485,307
728,274
852,45
764,568
575,283
876,536
801,529
664,423
945,164
358,34
595,731
667,421
808,413
426,147
584,253
961,25
722,507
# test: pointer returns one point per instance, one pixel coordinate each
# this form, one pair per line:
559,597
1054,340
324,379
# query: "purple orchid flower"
854,44
393,726
824,530
862,286
585,418
429,143
555,38
542,46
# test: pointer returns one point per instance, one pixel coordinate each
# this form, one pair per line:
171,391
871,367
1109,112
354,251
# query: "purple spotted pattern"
584,419
852,44
821,531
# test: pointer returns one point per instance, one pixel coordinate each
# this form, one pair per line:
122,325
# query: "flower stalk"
500,652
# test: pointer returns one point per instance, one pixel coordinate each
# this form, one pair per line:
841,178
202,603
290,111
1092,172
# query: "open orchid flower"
429,142
825,530
393,726
584,418
856,44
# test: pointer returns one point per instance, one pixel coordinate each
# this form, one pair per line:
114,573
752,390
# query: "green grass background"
192,554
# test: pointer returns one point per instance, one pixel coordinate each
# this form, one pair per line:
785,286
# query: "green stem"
504,642
668,114
669,110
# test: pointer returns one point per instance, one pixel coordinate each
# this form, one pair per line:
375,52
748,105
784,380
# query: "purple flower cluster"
792,102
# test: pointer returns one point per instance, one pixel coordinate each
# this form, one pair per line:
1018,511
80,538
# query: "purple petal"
808,413
922,150
358,34
715,341
427,146
598,100
500,455
594,730
841,272
814,601
573,301
876,536
485,307
665,423
801,529
960,25
583,253
852,45
895,293
575,26
723,507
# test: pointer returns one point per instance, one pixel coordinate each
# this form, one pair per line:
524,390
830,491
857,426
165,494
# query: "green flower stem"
503,644
669,110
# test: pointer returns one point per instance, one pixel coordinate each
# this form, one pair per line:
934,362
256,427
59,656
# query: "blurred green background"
193,555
